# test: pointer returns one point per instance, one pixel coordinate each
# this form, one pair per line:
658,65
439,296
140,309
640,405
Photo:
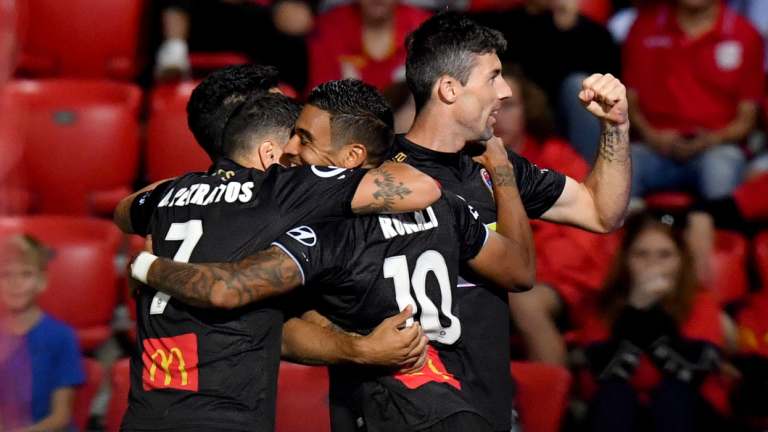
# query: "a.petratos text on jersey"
203,194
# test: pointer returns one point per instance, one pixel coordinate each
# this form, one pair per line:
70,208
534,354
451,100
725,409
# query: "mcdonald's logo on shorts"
433,371
170,363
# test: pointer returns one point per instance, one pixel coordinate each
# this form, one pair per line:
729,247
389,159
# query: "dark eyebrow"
496,72
305,134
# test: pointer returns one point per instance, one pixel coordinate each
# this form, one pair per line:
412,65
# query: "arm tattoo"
504,175
614,144
265,274
388,191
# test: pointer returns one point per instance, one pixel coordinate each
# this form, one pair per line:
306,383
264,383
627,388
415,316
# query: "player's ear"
447,89
354,155
269,153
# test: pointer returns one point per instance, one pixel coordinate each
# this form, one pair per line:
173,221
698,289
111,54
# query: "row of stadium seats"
84,279
543,392
103,39
81,141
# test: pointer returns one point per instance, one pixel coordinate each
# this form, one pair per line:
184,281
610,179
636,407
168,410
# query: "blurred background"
660,326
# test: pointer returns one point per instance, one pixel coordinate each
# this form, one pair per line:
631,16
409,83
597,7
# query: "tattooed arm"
599,204
224,285
394,188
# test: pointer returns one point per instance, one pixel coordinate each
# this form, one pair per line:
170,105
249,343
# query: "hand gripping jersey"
366,269
485,312
216,370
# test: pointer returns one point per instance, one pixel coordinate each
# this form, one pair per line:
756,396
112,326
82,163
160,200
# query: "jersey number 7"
189,233
396,268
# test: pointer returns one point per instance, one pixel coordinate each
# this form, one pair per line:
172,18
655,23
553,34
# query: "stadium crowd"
659,325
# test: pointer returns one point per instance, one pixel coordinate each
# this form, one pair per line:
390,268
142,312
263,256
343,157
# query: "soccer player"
188,373
454,73
361,269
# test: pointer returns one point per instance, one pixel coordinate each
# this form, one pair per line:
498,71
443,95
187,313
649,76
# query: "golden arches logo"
165,364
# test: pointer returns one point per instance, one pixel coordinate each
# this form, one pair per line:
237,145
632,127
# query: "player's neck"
431,130
249,162
20,323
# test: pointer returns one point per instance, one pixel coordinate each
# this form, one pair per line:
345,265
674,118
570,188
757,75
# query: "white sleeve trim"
487,235
298,264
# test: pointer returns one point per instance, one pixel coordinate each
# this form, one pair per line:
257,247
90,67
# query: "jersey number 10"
396,268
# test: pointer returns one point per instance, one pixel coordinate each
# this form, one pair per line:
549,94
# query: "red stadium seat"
81,143
14,196
597,10
761,257
81,277
672,201
94,375
203,63
302,396
729,267
81,38
171,148
542,395
118,400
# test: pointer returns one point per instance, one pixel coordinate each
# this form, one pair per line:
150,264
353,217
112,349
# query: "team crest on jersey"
487,179
304,235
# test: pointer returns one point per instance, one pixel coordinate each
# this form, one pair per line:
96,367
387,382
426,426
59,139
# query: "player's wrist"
141,265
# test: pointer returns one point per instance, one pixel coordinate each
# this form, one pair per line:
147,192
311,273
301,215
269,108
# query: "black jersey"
201,369
485,312
366,269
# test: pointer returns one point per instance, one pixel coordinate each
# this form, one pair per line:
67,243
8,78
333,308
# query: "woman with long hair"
653,344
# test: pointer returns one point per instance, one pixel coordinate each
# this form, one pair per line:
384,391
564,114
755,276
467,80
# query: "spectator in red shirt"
364,40
653,344
695,74
570,262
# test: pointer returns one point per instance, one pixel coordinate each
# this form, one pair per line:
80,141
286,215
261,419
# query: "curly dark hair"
218,95
261,115
359,113
446,44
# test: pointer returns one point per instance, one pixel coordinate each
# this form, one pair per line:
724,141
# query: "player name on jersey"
397,225
202,194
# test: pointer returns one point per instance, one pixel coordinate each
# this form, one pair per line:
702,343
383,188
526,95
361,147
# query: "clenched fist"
606,98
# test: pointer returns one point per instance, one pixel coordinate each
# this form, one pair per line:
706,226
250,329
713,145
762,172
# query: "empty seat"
761,258
81,143
81,287
81,410
729,267
171,148
542,395
120,379
302,397
81,38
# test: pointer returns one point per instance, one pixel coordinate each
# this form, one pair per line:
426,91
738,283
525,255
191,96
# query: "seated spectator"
694,71
570,262
49,346
267,33
568,47
364,40
653,343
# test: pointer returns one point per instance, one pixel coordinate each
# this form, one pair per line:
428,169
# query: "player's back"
366,269
202,369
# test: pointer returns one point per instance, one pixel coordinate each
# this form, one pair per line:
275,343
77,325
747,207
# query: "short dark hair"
359,113
446,44
260,116
214,99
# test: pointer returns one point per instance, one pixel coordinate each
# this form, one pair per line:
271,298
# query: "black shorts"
461,422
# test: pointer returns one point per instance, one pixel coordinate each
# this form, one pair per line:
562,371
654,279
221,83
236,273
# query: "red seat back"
118,401
542,395
761,257
729,267
302,397
171,148
81,142
671,201
81,287
94,374
82,38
